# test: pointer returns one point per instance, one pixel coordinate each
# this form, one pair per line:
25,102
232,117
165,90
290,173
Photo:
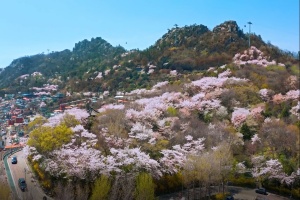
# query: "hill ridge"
189,48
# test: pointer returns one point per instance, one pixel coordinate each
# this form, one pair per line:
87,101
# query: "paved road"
21,170
10,179
239,193
3,176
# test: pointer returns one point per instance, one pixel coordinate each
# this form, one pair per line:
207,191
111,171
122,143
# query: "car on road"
22,184
261,191
14,160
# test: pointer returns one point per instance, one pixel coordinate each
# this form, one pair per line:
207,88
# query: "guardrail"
9,176
11,151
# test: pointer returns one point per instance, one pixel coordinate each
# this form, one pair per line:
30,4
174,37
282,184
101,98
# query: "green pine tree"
246,131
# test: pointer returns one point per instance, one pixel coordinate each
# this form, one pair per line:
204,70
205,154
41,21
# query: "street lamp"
25,173
249,32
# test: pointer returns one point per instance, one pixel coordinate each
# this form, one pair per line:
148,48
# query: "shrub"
220,196
244,181
172,111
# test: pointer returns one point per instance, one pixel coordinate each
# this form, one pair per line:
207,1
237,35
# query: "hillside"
57,66
230,123
197,108
185,49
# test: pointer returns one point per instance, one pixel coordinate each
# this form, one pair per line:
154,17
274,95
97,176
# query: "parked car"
261,191
229,198
14,160
22,184
260,198
3,133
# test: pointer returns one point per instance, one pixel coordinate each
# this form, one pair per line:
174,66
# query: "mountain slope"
185,49
210,129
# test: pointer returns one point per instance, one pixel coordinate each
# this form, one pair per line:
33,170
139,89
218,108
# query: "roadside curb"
8,173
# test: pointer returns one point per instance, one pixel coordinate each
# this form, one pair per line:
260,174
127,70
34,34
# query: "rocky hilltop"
184,49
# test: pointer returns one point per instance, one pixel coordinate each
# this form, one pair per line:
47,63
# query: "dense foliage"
200,108
187,132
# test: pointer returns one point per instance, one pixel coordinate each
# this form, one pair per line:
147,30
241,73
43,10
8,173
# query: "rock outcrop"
253,56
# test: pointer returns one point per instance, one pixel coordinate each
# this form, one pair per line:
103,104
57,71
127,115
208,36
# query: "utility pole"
249,32
25,173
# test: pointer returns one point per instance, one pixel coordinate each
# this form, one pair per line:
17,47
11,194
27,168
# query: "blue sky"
35,26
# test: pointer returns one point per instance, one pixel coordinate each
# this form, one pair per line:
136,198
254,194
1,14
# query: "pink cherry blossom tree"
239,115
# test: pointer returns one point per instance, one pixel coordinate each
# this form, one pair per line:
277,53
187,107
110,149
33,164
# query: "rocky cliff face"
227,27
254,56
